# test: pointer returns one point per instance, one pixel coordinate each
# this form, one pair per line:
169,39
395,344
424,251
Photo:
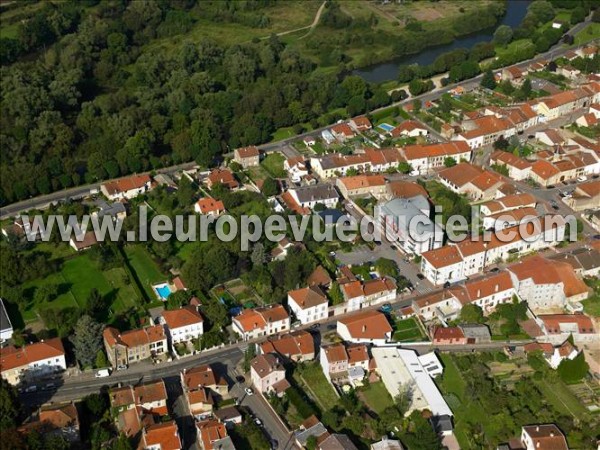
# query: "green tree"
249,355
404,167
449,162
101,360
185,192
573,371
503,35
10,407
488,80
472,313
269,187
177,299
335,294
386,267
87,340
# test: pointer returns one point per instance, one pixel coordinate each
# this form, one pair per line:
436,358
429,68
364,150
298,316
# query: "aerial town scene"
300,224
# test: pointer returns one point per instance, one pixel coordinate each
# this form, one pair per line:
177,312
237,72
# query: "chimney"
552,434
496,288
364,328
537,428
478,292
537,444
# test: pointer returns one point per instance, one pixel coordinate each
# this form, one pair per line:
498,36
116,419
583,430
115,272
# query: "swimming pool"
386,126
162,290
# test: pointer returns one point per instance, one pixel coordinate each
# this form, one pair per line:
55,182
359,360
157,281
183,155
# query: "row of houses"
457,261
547,284
423,159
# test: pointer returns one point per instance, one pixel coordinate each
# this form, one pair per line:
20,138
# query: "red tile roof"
247,152
208,205
552,322
308,297
184,316
164,435
367,325
126,184
12,357
446,333
546,437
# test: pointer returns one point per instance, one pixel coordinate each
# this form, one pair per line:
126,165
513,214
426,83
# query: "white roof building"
399,368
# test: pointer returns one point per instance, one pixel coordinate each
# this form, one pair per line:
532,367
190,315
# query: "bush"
573,371
304,408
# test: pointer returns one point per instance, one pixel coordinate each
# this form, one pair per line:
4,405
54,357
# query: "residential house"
6,328
310,196
311,427
308,304
328,137
457,261
229,416
59,420
585,261
475,182
550,136
183,324
387,444
548,284
161,436
205,376
83,241
296,167
222,177
566,102
319,277
507,203
116,210
409,128
487,292
441,305
406,222
209,206
476,333
262,321
361,294
339,362
518,168
127,188
212,435
558,327
342,132
22,230
569,72
589,51
365,327
424,159
404,189
543,437
268,374
336,442
449,336
362,185
152,397
247,156
513,74
553,355
587,120
333,360
134,345
32,361
585,196
309,141
297,346
360,124
545,173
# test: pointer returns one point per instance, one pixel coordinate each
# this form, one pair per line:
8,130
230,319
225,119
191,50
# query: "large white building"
406,221
403,369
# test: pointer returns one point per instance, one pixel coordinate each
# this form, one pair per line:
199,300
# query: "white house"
268,374
183,324
543,437
310,196
32,361
308,304
6,329
128,188
296,168
548,284
263,321
358,294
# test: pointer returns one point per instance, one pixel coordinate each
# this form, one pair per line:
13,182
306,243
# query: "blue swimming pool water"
386,126
163,291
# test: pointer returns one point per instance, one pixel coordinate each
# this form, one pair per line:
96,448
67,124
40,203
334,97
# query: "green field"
317,387
148,272
407,330
77,277
376,397
273,164
558,394
592,31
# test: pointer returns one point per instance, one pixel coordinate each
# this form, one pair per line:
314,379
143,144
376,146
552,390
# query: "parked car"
420,276
102,373
582,178
249,391
122,367
386,308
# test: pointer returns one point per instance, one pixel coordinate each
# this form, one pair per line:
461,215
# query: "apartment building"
135,345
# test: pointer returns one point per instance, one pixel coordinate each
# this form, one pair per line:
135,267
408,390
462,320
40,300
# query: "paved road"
75,193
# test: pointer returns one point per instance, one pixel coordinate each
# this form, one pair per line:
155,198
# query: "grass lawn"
78,276
273,164
558,394
592,31
55,250
407,330
591,306
317,386
146,269
377,397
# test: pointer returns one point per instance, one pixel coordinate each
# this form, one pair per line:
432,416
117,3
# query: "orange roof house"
222,176
365,327
209,206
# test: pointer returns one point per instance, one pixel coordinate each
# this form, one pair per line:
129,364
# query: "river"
378,73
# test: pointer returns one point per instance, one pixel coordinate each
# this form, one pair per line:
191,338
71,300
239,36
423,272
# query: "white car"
249,391
582,178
